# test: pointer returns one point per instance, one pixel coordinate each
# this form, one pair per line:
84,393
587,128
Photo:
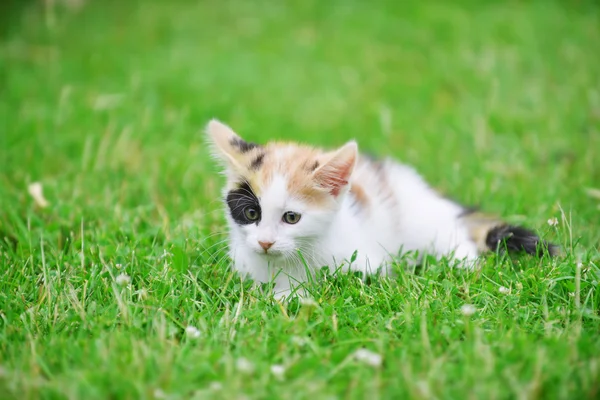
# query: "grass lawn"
120,288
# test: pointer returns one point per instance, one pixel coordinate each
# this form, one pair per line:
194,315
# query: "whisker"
204,239
220,242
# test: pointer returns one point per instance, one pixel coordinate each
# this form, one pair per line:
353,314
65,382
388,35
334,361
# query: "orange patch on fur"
301,166
297,163
360,195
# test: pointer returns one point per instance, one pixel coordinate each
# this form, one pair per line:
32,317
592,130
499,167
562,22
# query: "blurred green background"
497,103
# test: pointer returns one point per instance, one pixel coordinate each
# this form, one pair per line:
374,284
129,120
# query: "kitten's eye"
251,213
291,217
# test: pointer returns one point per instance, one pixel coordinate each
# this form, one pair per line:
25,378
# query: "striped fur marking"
242,145
257,162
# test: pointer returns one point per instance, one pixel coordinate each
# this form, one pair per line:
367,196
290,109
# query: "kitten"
292,209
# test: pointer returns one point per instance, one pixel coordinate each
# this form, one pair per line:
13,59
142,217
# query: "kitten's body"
346,204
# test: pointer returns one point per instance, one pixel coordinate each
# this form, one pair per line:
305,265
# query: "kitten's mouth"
271,254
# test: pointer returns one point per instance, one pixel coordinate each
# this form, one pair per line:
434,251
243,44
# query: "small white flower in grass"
192,332
123,279
468,309
244,365
215,386
36,191
553,221
278,371
142,294
368,357
159,394
504,290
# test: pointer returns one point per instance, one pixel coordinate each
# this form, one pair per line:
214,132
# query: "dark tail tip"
516,239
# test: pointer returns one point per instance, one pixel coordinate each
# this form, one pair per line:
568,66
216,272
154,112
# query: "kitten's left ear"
335,174
228,146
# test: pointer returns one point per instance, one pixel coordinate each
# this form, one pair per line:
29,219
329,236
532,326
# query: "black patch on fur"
242,145
517,238
257,162
239,200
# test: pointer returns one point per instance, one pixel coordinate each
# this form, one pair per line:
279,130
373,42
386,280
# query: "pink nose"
265,245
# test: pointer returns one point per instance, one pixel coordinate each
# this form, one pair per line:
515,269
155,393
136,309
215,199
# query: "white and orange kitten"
292,209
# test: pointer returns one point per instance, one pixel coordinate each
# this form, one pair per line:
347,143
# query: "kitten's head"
280,197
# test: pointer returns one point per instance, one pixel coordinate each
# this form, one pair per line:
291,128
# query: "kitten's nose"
265,245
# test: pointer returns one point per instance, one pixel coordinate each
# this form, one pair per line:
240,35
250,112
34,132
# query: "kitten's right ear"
335,174
228,146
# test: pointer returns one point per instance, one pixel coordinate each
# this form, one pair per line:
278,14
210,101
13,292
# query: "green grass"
497,104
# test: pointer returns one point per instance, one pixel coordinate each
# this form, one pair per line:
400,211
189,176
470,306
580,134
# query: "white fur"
420,221
404,214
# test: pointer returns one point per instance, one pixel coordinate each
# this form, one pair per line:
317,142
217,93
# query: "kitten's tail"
493,234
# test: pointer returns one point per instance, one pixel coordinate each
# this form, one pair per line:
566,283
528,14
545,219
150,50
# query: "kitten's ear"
335,173
227,145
